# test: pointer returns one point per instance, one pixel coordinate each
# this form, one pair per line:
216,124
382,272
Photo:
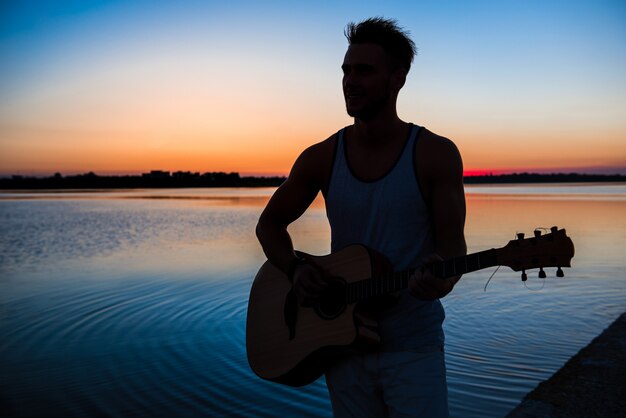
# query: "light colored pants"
393,385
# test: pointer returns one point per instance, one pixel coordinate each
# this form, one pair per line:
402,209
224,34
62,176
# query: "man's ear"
398,78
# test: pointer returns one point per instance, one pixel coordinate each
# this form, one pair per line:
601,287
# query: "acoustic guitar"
292,345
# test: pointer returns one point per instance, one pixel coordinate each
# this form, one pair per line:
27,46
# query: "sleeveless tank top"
388,215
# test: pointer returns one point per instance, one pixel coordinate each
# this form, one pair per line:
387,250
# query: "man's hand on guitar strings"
423,284
308,283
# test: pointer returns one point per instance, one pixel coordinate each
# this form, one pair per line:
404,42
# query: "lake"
133,302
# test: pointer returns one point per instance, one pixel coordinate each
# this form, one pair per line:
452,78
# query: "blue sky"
500,78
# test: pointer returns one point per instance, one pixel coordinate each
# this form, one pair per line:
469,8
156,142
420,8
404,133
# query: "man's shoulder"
437,155
437,143
322,149
319,155
315,162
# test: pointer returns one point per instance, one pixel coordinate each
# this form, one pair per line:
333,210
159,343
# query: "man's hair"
392,38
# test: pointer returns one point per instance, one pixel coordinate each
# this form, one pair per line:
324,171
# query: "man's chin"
361,114
358,111
351,112
367,112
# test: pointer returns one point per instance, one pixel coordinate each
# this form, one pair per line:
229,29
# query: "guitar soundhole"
333,301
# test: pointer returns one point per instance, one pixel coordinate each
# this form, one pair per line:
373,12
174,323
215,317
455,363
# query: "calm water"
133,303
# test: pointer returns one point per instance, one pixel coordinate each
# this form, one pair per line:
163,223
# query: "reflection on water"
133,303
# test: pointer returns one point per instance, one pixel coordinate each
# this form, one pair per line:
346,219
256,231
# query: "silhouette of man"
397,188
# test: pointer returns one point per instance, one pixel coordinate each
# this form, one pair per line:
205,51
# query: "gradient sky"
132,86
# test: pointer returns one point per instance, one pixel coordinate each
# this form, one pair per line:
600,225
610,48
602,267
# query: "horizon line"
466,173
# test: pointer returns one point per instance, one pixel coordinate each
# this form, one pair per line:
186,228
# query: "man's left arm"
446,199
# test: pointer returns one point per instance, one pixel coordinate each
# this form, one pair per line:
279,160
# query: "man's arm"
287,204
291,199
442,178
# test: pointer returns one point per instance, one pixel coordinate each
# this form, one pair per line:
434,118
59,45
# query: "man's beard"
371,109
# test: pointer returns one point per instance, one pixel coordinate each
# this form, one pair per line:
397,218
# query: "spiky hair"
389,35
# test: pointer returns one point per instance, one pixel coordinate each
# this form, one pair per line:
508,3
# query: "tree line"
165,179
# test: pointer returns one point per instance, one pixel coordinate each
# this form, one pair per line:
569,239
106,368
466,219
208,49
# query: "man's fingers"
309,283
431,259
424,285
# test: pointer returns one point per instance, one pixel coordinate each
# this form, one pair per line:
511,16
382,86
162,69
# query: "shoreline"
122,189
590,384
167,180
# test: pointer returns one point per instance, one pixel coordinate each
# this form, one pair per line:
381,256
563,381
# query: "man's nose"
349,80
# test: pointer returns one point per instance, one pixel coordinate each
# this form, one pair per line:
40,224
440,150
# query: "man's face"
366,80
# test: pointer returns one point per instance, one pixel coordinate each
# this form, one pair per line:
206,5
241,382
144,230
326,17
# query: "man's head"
375,66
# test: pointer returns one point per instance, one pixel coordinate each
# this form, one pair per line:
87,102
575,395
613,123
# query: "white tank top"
388,215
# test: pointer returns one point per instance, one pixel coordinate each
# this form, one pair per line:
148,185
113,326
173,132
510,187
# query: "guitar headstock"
554,249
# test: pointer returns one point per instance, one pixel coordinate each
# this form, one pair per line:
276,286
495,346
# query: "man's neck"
378,131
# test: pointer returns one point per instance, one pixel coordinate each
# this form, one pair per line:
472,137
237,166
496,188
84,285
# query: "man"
398,189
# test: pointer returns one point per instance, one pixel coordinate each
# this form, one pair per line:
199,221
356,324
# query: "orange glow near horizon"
175,131
134,155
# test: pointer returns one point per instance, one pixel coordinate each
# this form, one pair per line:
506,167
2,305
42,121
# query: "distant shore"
185,179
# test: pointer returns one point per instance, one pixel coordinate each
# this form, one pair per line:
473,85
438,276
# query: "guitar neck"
393,282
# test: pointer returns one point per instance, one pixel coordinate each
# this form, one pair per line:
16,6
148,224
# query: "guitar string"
543,284
490,277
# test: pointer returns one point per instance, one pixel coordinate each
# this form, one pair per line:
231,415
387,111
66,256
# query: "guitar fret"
458,265
392,282
376,286
470,261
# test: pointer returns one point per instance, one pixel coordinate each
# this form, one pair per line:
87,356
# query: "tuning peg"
542,274
524,276
537,233
559,272
554,229
520,236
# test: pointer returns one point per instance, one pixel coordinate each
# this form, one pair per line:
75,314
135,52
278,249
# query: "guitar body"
320,334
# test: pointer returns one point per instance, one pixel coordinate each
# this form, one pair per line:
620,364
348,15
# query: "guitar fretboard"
393,282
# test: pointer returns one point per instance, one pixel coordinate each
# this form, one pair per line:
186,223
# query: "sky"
119,87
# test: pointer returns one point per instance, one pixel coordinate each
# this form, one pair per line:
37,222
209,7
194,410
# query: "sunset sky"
132,86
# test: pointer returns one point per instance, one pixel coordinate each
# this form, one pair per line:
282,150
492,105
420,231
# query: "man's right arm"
287,204
291,199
